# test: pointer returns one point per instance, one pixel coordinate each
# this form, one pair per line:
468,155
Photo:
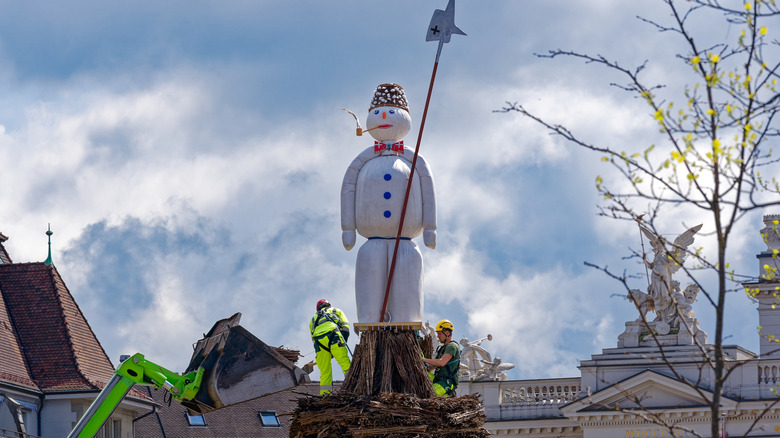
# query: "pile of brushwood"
387,393
388,361
388,415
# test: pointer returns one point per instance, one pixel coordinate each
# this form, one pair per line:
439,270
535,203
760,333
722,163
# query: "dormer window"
195,420
269,419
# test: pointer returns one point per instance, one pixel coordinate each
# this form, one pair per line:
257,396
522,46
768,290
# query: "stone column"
767,289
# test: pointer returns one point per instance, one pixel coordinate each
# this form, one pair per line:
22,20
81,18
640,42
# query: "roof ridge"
64,317
55,275
20,265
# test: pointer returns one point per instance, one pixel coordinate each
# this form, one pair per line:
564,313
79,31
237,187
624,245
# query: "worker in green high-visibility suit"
329,331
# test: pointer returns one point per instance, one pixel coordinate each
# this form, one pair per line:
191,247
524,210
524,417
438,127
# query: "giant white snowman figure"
372,197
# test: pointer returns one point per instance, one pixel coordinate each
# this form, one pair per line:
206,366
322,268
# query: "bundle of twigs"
388,415
388,361
289,354
426,345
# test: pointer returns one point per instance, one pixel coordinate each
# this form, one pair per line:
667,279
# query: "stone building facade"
639,390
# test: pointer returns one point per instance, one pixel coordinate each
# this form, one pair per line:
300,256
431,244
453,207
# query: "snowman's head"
388,123
388,116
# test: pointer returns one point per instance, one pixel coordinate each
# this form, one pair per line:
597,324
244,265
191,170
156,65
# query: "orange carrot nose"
384,115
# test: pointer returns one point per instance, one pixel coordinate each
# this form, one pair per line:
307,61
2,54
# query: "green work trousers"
441,387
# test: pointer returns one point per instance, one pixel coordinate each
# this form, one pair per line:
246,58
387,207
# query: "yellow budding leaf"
695,60
748,6
763,30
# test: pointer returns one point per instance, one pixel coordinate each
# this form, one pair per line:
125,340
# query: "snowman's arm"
428,200
348,189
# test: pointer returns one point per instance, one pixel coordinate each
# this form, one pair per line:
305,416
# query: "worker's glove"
345,334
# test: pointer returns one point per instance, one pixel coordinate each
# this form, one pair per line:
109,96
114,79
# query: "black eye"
376,111
392,111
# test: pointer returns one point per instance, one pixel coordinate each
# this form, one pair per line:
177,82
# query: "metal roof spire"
49,261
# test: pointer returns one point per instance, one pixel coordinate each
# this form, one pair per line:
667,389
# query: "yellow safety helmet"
444,324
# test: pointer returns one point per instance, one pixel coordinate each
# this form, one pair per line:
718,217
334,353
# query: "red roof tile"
61,350
240,420
13,368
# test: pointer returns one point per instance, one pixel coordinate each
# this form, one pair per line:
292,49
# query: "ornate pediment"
647,390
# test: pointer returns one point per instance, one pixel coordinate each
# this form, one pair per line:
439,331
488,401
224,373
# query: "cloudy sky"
189,158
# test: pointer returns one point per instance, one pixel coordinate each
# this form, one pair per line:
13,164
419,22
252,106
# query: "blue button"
387,213
388,177
387,195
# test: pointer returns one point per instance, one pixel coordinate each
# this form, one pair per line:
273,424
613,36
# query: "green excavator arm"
135,371
229,366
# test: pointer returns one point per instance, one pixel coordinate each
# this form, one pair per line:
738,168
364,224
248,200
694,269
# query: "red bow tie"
395,147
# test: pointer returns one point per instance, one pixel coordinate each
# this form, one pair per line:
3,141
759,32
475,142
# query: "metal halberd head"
443,24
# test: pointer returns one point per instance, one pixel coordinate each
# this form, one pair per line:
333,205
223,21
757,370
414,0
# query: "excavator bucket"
238,367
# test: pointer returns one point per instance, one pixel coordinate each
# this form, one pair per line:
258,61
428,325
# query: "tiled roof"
60,349
240,420
13,369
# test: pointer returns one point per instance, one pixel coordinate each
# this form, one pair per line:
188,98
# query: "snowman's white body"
372,198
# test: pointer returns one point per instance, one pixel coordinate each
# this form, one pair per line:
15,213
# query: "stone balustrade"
769,372
524,399
5,433
555,392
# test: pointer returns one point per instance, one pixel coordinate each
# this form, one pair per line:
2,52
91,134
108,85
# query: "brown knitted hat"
389,95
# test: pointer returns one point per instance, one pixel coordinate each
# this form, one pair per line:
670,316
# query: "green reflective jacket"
321,322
